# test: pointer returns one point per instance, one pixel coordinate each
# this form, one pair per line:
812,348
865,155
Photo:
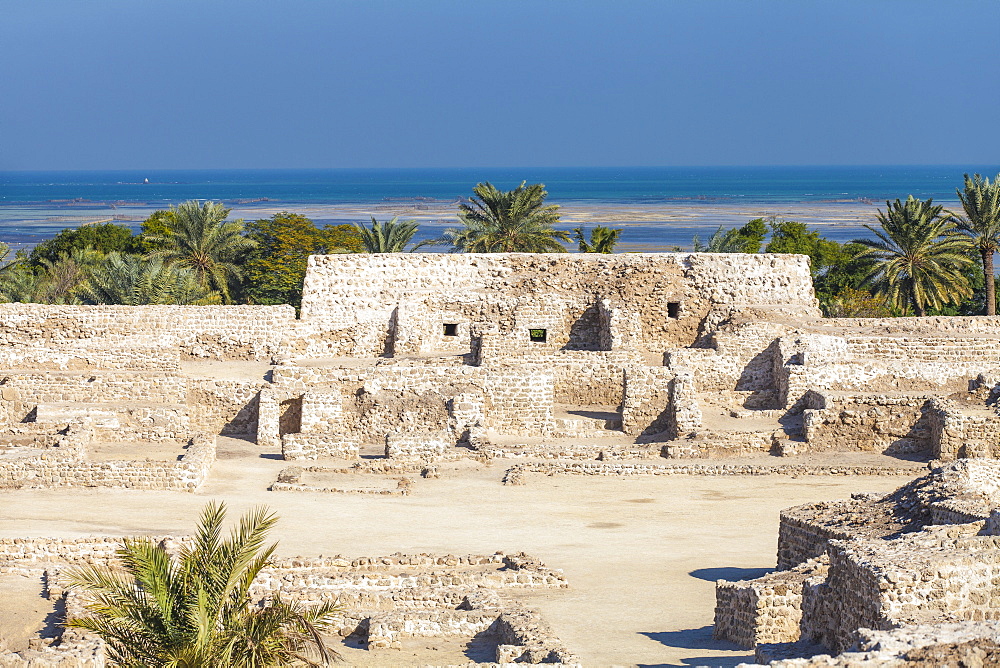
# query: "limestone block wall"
226,407
937,574
117,422
388,398
20,392
962,431
316,445
891,424
202,332
646,402
186,474
131,355
425,327
800,538
765,610
422,445
322,411
619,328
671,292
978,350
872,377
519,400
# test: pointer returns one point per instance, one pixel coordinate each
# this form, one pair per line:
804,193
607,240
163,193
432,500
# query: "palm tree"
388,237
194,609
199,238
918,256
513,221
133,280
602,239
721,241
981,223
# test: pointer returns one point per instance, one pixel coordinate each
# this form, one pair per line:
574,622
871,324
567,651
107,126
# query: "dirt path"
641,554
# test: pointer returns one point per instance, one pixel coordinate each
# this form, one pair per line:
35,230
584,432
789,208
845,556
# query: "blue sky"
216,84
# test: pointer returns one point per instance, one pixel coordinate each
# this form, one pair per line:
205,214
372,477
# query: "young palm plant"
513,221
133,280
918,257
981,223
388,237
198,237
195,610
602,239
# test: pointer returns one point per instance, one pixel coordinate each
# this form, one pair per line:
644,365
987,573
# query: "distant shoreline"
648,226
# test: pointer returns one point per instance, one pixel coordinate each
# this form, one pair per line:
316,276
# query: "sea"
659,208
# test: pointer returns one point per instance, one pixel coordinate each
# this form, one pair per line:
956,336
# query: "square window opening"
674,310
538,335
451,329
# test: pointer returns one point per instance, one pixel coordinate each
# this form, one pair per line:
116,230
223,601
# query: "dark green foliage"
195,608
602,239
391,236
788,236
746,239
198,237
918,257
981,223
512,221
104,238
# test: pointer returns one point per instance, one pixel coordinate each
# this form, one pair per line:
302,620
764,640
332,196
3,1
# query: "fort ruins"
405,367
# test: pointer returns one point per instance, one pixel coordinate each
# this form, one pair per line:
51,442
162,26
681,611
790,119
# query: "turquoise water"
34,205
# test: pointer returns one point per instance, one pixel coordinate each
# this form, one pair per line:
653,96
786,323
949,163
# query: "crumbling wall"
202,332
671,293
891,424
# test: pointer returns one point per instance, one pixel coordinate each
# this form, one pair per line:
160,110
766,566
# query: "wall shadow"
730,573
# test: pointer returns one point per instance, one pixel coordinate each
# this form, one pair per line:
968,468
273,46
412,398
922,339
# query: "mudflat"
641,553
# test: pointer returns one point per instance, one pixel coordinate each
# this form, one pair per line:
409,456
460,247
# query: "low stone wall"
202,332
426,445
765,610
515,475
962,431
313,446
891,424
38,471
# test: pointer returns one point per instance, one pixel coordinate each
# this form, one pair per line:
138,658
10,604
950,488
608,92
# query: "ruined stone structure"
636,364
386,599
927,554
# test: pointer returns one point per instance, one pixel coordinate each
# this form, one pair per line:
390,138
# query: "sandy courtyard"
641,554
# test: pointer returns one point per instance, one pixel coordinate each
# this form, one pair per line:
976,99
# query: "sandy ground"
641,554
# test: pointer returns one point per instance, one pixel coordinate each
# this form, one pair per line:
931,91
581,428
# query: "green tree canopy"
602,239
981,223
195,609
133,280
199,237
788,236
275,270
103,238
391,236
512,221
746,239
917,257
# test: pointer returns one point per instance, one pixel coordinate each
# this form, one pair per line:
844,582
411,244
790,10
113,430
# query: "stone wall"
958,431
669,293
202,332
891,424
71,467
646,402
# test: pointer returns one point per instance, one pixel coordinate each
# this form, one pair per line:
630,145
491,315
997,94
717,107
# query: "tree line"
193,254
922,259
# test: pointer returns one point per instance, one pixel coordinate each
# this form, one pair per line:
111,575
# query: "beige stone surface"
641,554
